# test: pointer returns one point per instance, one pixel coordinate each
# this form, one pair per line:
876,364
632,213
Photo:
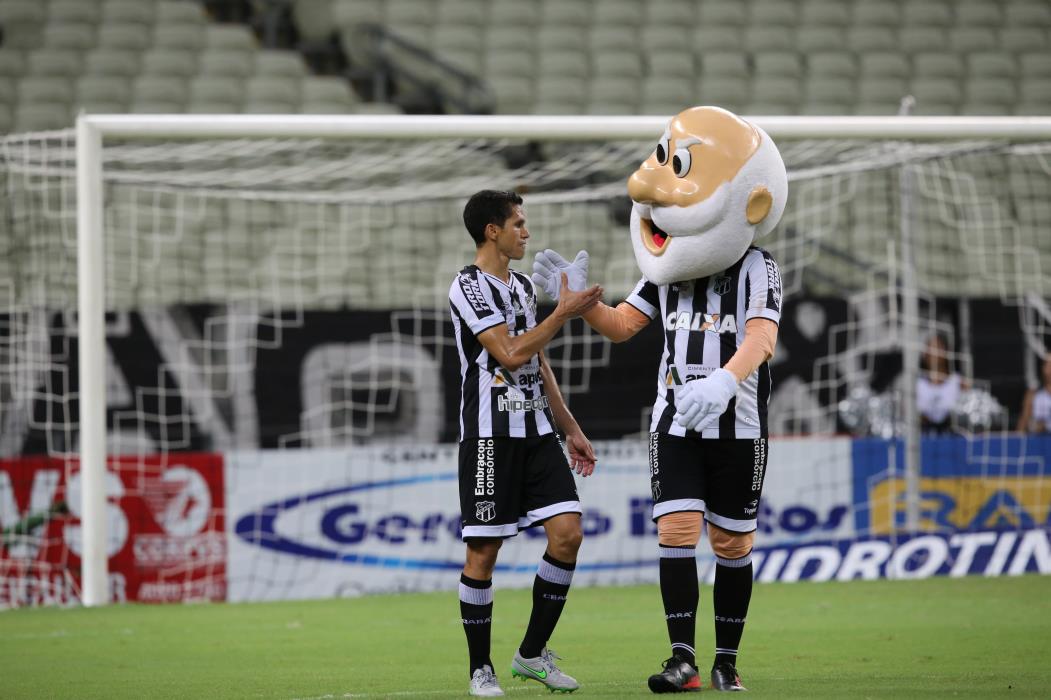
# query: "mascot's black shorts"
722,478
509,484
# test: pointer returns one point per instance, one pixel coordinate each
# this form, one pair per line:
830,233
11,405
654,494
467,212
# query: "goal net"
281,381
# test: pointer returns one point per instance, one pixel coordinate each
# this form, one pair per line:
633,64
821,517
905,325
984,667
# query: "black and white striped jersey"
495,402
704,323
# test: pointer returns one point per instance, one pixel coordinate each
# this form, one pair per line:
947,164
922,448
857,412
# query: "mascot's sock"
550,588
680,592
733,590
476,611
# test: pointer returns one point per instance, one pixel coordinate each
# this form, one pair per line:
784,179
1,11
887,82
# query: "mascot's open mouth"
653,237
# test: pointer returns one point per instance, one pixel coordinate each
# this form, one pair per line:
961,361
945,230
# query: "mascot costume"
714,184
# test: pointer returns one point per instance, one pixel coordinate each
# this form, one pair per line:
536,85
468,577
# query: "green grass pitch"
935,638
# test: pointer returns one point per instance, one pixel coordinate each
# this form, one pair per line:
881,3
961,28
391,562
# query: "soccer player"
712,186
513,471
1035,416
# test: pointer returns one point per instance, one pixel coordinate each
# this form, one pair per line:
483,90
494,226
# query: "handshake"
699,402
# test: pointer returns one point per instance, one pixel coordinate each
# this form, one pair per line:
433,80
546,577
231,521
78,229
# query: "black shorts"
721,478
510,484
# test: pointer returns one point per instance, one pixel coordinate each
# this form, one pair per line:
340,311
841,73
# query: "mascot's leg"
678,534
730,597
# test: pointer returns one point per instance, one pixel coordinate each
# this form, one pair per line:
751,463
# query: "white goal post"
93,130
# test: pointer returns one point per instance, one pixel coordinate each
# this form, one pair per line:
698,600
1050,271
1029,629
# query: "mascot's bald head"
714,184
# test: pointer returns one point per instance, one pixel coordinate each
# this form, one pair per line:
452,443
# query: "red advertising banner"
165,529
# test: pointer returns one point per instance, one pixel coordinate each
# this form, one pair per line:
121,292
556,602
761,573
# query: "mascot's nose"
658,186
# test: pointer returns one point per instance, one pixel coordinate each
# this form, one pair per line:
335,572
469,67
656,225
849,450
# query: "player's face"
511,241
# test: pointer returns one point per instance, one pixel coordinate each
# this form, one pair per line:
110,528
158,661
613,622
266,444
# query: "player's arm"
581,453
514,351
760,337
617,323
1027,412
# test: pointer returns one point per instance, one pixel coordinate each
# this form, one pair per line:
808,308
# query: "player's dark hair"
488,207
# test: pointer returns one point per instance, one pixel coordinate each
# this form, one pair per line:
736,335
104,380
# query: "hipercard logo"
712,323
520,405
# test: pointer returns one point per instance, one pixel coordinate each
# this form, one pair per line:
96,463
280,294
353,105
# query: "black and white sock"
678,571
730,597
476,611
550,588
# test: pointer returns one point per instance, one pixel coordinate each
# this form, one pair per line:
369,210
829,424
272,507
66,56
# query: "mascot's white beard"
712,235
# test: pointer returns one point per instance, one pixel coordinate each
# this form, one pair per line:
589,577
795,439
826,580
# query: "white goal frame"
91,130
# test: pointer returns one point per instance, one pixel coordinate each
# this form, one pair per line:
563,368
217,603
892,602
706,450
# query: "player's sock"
476,611
550,588
678,570
732,591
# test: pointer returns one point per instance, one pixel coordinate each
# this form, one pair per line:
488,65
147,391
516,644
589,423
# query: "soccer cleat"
678,676
544,670
724,677
484,683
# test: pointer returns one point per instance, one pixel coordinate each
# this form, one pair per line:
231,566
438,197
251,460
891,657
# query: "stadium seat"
467,60
937,64
989,96
667,90
972,39
79,36
916,39
376,108
22,12
1035,13
510,39
706,38
716,12
1021,39
811,39
992,64
8,91
931,91
513,95
212,107
871,38
330,89
99,88
230,36
447,37
347,14
1034,96
832,63
127,12
155,88
828,90
210,89
623,13
314,19
773,13
881,90
461,13
877,108
156,107
825,109
609,89
179,12
127,36
876,13
726,92
98,107
226,62
398,12
565,63
816,13
602,107
769,38
557,106
613,38
934,13
668,38
513,13
271,89
769,108
773,63
670,12
725,64
572,13
275,62
499,63
33,89
12,62
1035,64
115,62
68,11
178,36
617,63
57,62
41,116
885,64
560,89
978,13
269,107
556,37
778,90
670,64
172,62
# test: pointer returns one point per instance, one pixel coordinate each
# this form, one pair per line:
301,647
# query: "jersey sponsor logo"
485,468
722,285
472,291
713,323
484,511
773,280
758,462
674,378
516,404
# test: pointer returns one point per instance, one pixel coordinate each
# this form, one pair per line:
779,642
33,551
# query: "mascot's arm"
618,324
760,336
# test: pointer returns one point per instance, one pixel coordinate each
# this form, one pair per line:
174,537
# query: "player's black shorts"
722,478
509,484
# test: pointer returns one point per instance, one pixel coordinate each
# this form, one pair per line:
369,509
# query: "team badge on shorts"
484,511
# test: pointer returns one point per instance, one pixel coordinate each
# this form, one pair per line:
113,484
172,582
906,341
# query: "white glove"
548,267
700,402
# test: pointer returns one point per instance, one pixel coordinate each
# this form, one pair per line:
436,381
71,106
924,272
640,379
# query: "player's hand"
572,304
700,402
581,453
548,265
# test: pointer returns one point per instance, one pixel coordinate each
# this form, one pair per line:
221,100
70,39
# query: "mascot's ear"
759,202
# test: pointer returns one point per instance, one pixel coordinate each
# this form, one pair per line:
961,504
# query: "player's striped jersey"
495,402
1041,409
704,323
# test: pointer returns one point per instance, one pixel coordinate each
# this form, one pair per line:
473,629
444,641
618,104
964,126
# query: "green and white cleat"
484,683
544,670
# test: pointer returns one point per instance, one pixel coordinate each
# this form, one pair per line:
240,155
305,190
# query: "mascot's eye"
681,162
662,151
